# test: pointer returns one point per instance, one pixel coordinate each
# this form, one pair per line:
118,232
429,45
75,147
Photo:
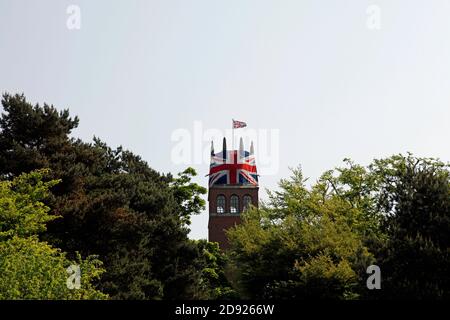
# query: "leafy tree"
21,211
29,268
187,194
213,263
111,202
305,242
302,244
415,199
318,241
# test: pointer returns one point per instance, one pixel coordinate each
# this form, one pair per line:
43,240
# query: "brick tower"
233,187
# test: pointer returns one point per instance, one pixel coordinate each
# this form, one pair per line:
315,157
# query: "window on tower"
234,204
247,202
220,204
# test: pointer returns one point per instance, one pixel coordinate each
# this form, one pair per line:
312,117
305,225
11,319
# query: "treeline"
93,202
67,202
318,242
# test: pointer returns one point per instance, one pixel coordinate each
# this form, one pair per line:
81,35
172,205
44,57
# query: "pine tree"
111,202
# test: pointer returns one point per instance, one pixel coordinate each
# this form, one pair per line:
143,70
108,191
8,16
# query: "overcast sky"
334,85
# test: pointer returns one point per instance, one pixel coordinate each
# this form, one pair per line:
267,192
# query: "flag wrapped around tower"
233,167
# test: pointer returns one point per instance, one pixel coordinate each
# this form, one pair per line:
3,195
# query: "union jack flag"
238,124
231,167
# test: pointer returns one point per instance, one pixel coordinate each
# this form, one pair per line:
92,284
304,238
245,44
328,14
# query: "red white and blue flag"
230,167
238,124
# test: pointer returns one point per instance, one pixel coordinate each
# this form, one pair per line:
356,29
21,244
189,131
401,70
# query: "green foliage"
322,272
21,211
30,269
188,194
213,263
415,199
111,203
28,132
317,242
300,243
305,242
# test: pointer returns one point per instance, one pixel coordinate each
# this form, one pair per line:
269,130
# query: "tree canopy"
30,268
64,201
111,203
318,241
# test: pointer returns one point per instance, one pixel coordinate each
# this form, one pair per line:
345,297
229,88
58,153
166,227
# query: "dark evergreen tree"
112,203
415,198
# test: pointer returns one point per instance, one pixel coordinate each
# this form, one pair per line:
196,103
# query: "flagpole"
232,134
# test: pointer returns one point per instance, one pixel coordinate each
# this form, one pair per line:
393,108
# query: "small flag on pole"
238,124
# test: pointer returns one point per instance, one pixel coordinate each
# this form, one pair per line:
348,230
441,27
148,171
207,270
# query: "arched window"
234,204
247,202
220,204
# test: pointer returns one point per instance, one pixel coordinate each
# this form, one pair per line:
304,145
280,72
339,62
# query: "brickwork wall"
218,223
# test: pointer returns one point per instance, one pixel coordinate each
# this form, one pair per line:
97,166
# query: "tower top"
233,167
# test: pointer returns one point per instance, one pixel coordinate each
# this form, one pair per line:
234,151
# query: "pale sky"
137,71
